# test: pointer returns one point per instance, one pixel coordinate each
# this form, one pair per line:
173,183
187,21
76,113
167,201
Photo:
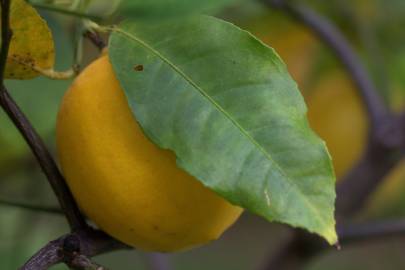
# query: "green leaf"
152,9
226,105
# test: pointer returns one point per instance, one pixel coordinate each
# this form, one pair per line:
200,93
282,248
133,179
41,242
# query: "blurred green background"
374,27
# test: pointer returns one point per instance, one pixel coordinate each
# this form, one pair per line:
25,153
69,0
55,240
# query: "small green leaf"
226,105
157,9
31,44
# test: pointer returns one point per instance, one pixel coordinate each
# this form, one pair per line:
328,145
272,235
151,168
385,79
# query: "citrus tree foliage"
226,105
216,96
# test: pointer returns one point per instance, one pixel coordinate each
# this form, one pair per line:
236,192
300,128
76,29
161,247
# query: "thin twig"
30,207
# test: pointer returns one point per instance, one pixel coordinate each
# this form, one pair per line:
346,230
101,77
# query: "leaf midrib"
202,92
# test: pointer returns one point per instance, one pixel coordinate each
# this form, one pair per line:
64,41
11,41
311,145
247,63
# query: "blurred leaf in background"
158,9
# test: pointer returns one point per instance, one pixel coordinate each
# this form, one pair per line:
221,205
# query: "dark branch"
36,144
334,39
45,257
30,207
387,133
386,136
74,250
385,146
45,160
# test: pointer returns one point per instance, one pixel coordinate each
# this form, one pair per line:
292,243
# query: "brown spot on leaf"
138,67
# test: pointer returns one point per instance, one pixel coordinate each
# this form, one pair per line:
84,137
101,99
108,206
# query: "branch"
74,250
45,160
36,144
387,134
385,146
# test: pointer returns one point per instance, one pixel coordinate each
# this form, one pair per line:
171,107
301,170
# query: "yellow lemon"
337,114
128,186
297,47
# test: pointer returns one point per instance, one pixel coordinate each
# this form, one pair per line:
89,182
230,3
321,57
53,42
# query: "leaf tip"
330,236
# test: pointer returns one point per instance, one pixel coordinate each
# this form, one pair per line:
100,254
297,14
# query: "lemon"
128,186
337,114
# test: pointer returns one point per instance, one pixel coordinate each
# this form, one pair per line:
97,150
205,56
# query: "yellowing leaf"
32,44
